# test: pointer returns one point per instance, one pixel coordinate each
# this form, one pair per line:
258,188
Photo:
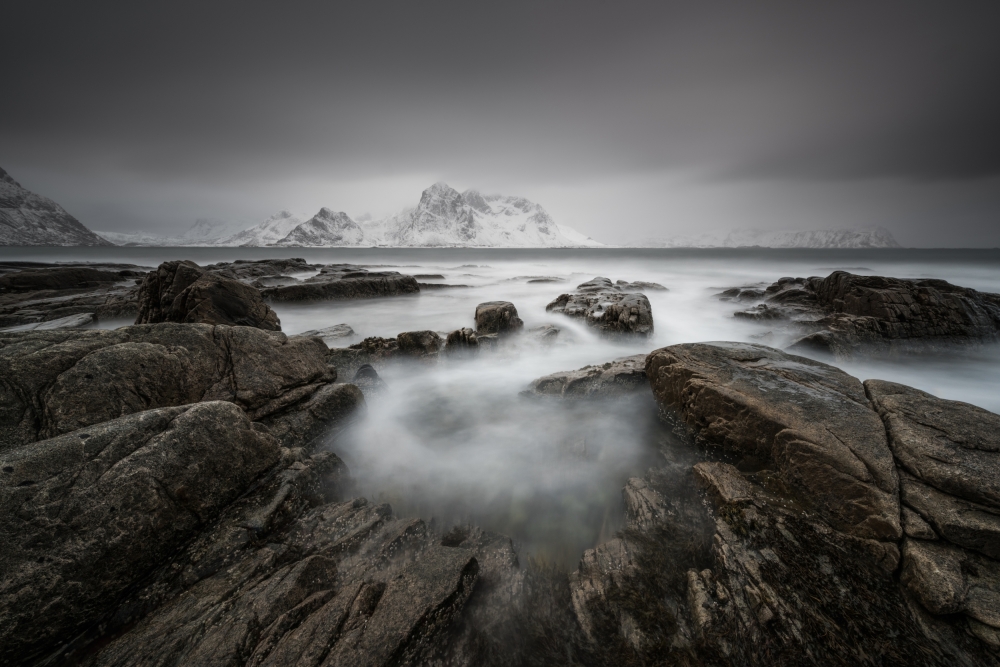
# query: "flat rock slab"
68,322
343,281
335,331
621,377
84,515
809,420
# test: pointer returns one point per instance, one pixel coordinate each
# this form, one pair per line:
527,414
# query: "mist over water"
456,442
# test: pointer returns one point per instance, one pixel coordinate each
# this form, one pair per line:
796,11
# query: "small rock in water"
497,317
368,381
606,308
421,344
336,331
639,285
462,343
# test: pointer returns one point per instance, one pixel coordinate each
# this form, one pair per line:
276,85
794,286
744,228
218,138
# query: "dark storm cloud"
546,92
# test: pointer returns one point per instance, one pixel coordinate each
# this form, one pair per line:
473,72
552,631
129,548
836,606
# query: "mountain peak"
7,178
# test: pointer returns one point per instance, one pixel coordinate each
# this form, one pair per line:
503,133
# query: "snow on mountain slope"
326,228
30,219
145,239
268,232
876,237
208,230
445,217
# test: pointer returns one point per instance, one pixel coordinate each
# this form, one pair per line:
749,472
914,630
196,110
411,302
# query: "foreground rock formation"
54,382
607,307
181,291
805,554
844,313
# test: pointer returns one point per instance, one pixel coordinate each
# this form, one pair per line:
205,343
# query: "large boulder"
614,312
810,422
497,317
181,291
85,515
344,281
621,377
53,382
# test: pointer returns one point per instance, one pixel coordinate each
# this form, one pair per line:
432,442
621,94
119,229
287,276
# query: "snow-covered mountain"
326,228
875,237
208,230
268,232
444,217
30,219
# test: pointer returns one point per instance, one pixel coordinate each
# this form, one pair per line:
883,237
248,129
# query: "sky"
624,120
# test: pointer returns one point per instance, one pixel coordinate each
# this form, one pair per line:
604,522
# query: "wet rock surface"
419,344
36,293
335,331
844,314
756,572
86,514
53,382
607,308
811,421
621,377
461,343
344,281
497,317
182,291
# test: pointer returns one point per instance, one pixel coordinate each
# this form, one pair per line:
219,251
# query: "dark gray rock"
344,281
319,416
248,271
810,421
621,377
461,343
605,307
419,344
367,379
497,317
53,382
75,277
181,291
29,219
335,331
639,286
844,314
85,515
377,348
950,445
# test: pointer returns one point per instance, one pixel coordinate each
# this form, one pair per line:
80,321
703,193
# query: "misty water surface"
456,442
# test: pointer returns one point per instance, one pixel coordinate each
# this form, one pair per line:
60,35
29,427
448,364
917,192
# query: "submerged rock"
461,343
335,331
620,377
367,379
497,317
344,281
181,291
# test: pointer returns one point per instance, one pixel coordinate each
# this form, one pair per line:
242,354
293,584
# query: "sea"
457,442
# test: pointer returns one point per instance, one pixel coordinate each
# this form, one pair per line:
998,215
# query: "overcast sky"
622,119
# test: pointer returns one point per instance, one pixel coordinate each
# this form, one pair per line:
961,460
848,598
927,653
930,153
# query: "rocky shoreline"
171,494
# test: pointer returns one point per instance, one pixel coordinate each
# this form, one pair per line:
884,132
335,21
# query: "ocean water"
456,442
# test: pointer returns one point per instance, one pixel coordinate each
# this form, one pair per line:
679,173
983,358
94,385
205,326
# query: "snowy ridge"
876,237
444,217
30,219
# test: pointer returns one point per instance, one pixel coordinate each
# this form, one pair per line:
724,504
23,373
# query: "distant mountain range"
875,237
30,219
444,217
